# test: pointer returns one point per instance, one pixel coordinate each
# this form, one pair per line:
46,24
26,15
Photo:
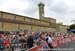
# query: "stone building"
61,28
14,22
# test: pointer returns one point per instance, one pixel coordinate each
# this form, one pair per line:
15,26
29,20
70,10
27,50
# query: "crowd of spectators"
11,41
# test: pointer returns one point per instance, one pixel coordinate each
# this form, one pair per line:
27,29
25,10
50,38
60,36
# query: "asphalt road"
70,46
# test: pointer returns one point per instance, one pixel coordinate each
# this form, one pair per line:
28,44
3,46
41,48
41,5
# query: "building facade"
14,22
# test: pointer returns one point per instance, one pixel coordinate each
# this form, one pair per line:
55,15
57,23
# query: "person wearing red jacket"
6,42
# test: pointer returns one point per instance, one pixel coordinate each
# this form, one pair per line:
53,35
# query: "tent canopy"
73,30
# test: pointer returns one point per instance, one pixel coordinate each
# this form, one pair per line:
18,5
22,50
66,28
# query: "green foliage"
72,26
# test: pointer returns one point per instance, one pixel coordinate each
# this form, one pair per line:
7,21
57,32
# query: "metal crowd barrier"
13,47
18,46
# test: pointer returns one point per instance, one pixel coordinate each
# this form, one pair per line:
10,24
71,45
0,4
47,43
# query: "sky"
61,10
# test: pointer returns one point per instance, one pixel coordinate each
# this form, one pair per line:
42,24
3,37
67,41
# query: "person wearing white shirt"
49,42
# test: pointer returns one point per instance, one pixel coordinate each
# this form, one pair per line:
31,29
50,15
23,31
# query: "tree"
72,26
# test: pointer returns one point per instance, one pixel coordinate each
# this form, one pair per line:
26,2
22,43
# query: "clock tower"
41,10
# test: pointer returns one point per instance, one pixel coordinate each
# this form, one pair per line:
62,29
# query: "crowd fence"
56,43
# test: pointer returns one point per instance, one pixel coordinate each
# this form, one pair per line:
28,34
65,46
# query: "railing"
56,43
17,46
13,47
39,45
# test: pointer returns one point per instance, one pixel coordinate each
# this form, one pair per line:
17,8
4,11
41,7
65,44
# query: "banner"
43,47
38,48
73,38
54,43
60,41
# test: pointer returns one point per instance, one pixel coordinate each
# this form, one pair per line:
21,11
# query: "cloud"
59,8
62,10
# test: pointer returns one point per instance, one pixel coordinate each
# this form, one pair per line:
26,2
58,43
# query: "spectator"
49,41
1,42
30,42
6,42
22,40
1,38
16,40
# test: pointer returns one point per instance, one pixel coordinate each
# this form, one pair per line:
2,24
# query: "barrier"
70,37
37,48
60,41
63,42
73,38
56,42
43,47
66,40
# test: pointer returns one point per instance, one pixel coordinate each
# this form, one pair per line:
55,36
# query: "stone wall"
26,23
61,28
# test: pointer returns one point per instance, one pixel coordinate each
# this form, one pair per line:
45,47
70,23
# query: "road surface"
70,46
